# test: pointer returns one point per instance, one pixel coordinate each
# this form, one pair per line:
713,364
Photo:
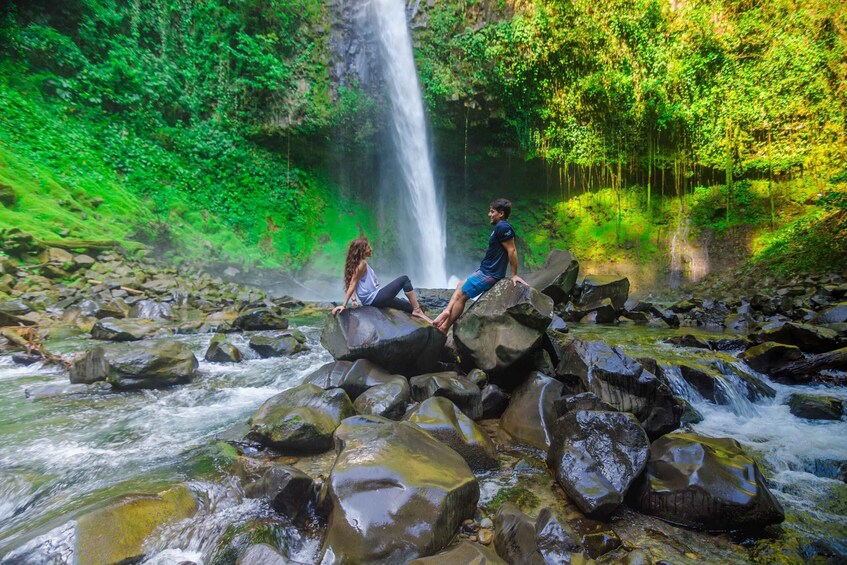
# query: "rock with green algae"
116,533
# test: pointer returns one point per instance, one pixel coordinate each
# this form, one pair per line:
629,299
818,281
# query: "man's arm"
512,251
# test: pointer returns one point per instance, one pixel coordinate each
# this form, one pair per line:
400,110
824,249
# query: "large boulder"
596,456
620,381
362,375
557,276
395,493
222,351
152,364
835,314
277,345
390,338
810,339
449,384
707,483
289,490
113,329
503,326
388,400
90,367
443,420
770,355
532,412
816,407
300,419
329,375
597,287
257,319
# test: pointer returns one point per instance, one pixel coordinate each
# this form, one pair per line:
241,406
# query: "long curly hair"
356,253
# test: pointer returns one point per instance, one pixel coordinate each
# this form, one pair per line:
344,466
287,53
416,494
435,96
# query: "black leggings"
387,295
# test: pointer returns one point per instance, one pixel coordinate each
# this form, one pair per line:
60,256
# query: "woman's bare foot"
418,313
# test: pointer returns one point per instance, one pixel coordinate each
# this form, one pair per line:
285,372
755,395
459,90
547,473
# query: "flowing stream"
422,238
62,455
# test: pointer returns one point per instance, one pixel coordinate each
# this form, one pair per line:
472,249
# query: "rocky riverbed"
164,415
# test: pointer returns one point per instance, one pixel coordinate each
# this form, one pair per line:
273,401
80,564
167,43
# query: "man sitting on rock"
501,251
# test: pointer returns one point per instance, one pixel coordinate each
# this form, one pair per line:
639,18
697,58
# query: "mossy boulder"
150,364
116,533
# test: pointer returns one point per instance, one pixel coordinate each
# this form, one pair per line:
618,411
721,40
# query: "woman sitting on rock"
360,279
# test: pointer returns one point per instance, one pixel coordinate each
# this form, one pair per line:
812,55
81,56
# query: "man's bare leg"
441,318
456,310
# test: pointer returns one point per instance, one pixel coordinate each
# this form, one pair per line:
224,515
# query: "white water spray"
423,239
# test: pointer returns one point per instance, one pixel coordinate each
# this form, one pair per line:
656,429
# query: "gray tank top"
367,287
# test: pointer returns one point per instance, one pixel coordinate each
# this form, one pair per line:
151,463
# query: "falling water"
423,239
682,252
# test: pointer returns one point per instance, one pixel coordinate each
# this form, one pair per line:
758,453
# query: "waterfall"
422,239
687,261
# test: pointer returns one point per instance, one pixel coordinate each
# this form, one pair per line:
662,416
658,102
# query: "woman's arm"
354,280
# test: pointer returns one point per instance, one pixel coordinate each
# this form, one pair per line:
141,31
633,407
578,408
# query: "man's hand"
516,279
337,310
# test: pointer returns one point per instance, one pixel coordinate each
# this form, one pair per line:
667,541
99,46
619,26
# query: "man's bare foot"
421,316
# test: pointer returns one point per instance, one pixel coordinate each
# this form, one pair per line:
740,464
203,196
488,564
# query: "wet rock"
502,327
26,359
289,489
112,329
390,338
494,401
582,401
599,539
300,419
667,316
221,351
558,324
769,355
388,400
52,391
709,313
688,340
554,544
329,375
15,308
258,319
443,420
514,536
362,375
816,407
151,310
395,493
707,483
600,312
463,553
116,533
836,314
810,339
531,414
557,277
90,367
597,287
276,346
596,456
478,377
262,554
729,343
738,322
150,364
690,415
620,381
449,384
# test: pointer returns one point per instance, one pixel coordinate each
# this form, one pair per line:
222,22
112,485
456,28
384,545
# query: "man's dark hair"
502,205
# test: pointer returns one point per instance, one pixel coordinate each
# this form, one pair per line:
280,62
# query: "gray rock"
89,368
596,456
810,339
276,346
463,553
151,310
582,401
494,401
514,536
300,419
449,384
258,319
150,364
329,375
770,355
601,312
816,407
261,554
395,493
554,543
289,489
532,411
707,483
443,420
597,287
835,314
387,400
112,329
503,327
52,391
221,351
390,338
364,374
557,276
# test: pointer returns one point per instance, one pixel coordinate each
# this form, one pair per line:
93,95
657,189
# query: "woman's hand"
337,310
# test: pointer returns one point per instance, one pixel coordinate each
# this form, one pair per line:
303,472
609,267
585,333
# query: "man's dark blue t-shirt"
496,259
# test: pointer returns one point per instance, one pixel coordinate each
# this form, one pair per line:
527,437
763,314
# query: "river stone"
26,359
494,401
514,536
390,338
502,327
150,364
116,533
478,377
600,312
443,420
463,553
289,489
449,384
151,310
816,407
707,483
329,375
300,419
810,339
582,401
388,400
15,308
532,410
258,319
90,367
221,351
276,346
554,544
664,314
770,355
688,340
557,276
112,329
835,314
395,493
261,554
596,456
364,374
597,287
621,382
42,392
